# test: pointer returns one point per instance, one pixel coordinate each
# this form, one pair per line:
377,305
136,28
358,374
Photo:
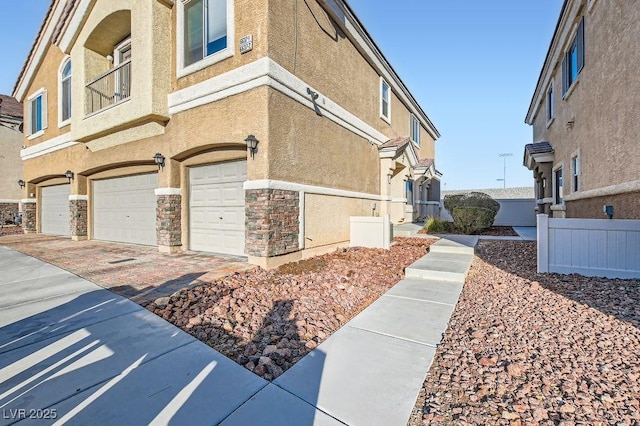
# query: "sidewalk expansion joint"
418,300
394,337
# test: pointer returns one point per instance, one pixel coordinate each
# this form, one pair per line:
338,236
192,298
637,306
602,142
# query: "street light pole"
504,171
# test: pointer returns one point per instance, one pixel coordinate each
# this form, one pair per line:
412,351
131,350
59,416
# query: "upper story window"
37,113
573,61
65,93
558,186
415,129
575,172
205,33
551,109
385,100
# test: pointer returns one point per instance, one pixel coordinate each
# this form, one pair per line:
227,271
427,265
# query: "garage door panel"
54,214
216,204
125,209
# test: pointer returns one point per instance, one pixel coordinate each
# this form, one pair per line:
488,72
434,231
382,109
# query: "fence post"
543,242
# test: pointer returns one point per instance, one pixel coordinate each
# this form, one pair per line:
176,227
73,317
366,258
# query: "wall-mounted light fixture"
252,144
21,183
389,176
69,175
159,159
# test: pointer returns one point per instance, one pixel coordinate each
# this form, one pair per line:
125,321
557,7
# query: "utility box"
371,232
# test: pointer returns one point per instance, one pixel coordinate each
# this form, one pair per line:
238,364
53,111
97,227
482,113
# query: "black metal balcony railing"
108,89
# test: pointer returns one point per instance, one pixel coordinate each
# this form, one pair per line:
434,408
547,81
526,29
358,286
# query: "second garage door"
54,215
216,207
124,209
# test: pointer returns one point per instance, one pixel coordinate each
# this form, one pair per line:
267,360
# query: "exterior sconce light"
389,176
21,183
159,159
69,175
252,144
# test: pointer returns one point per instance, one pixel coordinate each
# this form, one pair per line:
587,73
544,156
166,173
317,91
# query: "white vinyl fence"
590,247
374,232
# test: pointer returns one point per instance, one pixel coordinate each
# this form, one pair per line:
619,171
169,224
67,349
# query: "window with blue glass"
573,61
205,29
37,108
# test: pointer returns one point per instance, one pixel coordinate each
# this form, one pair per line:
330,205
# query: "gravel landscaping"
528,348
268,320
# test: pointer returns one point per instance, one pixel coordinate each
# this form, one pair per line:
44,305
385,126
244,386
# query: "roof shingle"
10,106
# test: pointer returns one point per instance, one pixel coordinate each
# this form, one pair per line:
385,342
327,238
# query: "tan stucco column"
169,209
387,166
545,173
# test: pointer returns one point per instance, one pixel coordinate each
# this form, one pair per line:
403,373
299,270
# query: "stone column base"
79,238
169,223
29,209
78,217
170,249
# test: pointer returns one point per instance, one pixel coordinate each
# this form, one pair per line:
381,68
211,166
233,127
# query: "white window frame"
551,106
40,92
223,54
555,184
118,49
386,118
414,129
576,183
62,122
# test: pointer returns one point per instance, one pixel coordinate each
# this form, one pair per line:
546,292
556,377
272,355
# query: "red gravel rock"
565,347
268,320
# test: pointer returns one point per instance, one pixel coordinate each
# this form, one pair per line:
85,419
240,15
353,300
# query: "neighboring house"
10,163
585,113
517,205
113,88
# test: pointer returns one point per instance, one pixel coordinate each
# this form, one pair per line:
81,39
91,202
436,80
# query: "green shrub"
472,220
437,226
471,212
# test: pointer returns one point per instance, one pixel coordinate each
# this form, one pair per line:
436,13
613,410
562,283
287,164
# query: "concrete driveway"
139,273
73,352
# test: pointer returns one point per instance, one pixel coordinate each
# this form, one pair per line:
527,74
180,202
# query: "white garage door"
54,213
216,206
124,209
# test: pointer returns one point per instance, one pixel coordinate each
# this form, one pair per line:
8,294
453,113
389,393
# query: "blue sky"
472,66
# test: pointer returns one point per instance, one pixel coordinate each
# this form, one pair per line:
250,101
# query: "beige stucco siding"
326,218
604,104
306,42
313,150
10,164
47,77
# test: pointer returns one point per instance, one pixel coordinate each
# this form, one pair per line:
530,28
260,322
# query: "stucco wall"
306,42
10,164
326,218
603,104
309,149
626,206
47,77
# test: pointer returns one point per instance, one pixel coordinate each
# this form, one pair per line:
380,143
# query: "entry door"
54,213
216,207
124,209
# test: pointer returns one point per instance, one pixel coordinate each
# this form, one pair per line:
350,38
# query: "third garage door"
124,209
54,215
216,206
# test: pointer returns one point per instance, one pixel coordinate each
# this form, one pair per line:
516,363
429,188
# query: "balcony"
108,89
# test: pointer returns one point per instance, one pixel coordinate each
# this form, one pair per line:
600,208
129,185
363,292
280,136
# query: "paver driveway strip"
84,354
139,273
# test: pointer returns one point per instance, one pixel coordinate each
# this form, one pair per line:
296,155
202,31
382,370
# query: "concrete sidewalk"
83,354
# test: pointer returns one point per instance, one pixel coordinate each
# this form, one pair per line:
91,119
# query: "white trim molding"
266,72
46,147
168,191
623,188
28,200
309,189
78,197
7,201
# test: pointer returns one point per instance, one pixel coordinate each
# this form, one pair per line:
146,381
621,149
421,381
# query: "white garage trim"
217,207
124,209
54,211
